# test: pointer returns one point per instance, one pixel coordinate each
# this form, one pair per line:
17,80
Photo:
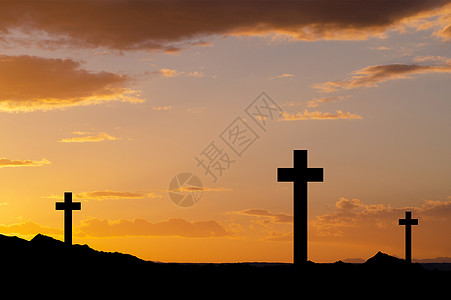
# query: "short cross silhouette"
300,175
408,222
68,206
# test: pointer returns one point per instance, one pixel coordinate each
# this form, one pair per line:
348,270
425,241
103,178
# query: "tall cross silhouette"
408,222
300,175
68,206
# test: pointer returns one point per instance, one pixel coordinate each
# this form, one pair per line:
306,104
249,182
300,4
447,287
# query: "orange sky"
112,99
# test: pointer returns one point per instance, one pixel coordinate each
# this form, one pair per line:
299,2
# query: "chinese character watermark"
219,155
239,136
214,160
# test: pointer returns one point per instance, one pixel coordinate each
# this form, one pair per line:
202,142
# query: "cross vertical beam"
68,206
408,222
300,175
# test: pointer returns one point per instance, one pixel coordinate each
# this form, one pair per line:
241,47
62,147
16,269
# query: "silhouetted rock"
384,259
44,259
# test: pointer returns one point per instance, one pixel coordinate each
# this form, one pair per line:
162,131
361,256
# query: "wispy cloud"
280,237
95,227
195,110
445,33
373,75
197,74
316,102
205,189
275,217
282,76
29,228
140,227
160,108
4,163
87,137
109,195
170,73
317,115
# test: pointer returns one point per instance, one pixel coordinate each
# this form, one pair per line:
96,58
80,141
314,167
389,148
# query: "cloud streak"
30,83
109,195
89,138
276,217
4,163
371,76
95,227
317,115
318,101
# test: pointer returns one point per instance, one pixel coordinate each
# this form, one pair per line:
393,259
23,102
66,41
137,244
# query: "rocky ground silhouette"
46,260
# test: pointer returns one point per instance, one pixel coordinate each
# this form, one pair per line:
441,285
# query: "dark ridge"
384,259
46,260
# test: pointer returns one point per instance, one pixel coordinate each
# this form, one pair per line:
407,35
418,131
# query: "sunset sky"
112,99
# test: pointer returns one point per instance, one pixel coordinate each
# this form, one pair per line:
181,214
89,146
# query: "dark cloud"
29,83
372,75
163,25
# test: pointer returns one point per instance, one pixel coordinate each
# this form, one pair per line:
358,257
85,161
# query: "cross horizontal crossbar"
408,221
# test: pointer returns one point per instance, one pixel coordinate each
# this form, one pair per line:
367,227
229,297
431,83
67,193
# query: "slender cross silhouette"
408,222
68,206
300,175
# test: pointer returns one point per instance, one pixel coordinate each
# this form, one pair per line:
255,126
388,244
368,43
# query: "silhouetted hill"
383,259
438,263
44,251
44,259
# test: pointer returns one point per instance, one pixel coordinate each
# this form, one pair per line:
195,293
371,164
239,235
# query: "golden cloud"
353,217
318,101
88,137
140,227
30,83
127,25
348,204
29,228
4,162
276,217
317,115
280,237
170,73
164,72
159,108
445,33
372,75
108,195
282,76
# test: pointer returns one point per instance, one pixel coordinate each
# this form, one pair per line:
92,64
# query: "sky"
117,101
